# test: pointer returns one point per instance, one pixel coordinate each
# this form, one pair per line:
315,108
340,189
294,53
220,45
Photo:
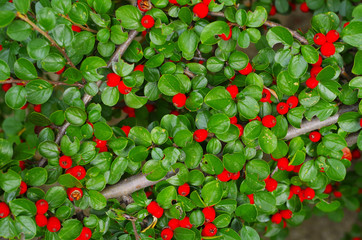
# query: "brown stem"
122,48
45,34
55,83
79,25
133,221
189,73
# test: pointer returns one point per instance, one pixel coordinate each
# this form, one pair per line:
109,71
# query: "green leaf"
166,196
349,122
169,85
75,116
357,63
188,41
6,17
328,207
184,233
218,123
26,225
279,35
238,60
46,18
90,66
130,16
234,162
102,131
62,6
297,66
24,69
15,97
247,212
96,200
38,91
69,181
211,193
55,196
71,229
7,228
249,233
308,172
10,181
207,36
22,206
334,142
248,107
352,34
141,136
336,170
19,30
258,167
310,54
36,176
257,18
265,202
134,101
267,140
53,62
38,48
287,84
63,35
22,6
102,6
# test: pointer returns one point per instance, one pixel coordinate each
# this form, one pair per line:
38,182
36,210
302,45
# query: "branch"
79,25
130,185
55,83
315,123
122,48
45,34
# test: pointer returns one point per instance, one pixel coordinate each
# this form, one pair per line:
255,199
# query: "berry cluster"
326,42
114,80
280,216
226,176
201,9
303,194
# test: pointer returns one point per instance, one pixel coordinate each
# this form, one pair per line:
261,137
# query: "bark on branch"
54,83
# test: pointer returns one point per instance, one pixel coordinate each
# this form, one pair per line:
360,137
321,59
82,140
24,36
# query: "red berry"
356,154
37,108
155,209
166,234
233,90
328,49
347,154
315,70
25,106
23,187
251,198
292,102
346,24
209,213
113,79
60,71
6,86
201,10
224,176
78,172
207,2
283,163
297,168
1,47
295,189
209,230
200,135
65,162
42,206
76,28
332,36
312,82
53,224
41,220
150,107
173,1
282,108
241,129
4,210
20,84
74,193
224,37
174,223
309,193
122,88
126,130
315,136
291,194
103,149
276,218
184,190
265,96
269,121
248,69
175,112
328,189
233,120
22,165
129,111
86,234
273,11
179,100
185,223
286,214
99,143
143,7
139,68
292,5
235,176
319,62
147,21
257,118
319,39
270,184
304,7
360,122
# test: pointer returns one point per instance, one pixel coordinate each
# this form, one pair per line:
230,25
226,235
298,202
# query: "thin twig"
133,221
55,83
189,73
79,25
122,48
45,34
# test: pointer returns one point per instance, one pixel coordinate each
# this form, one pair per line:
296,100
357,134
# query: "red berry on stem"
224,37
173,1
283,163
200,135
184,190
312,82
309,193
315,136
122,88
143,7
209,230
233,90
99,143
292,102
347,154
295,189
129,111
150,107
139,68
174,223
25,106
155,209
1,47
282,108
65,162
233,120
201,10
319,39
265,96
276,218
304,7
74,193
273,11
126,130
42,206
235,176
147,21
179,100
270,184
315,70
185,223
23,187
224,176
41,220
60,71
37,108
248,69
319,62
175,112
6,86
241,129
4,210
53,224
166,234
78,172
345,25
22,165
337,194
76,28
356,154
269,121
286,214
328,189
332,36
86,234
328,49
113,79
251,198
209,213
